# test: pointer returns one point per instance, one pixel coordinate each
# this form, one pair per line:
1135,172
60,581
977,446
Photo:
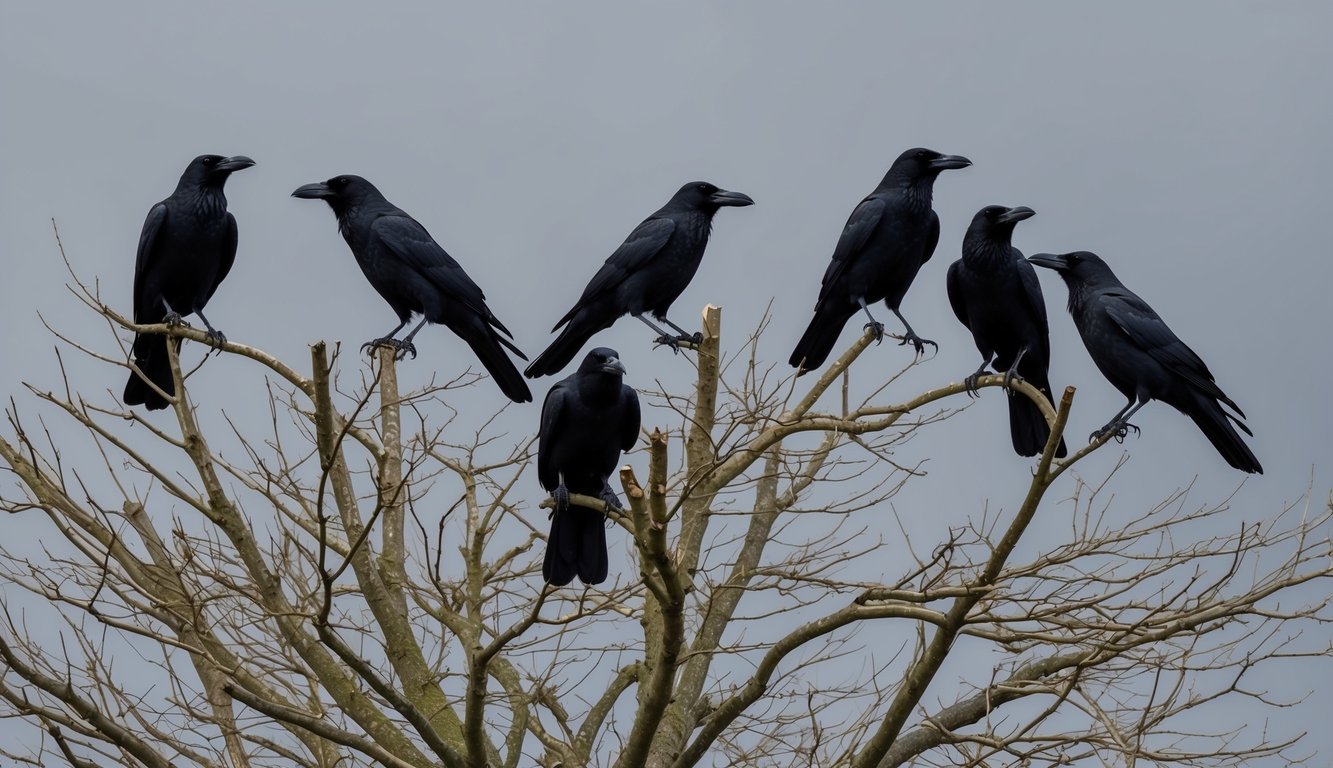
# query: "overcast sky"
1187,143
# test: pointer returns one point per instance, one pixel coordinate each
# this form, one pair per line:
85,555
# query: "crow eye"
208,161
341,181
703,187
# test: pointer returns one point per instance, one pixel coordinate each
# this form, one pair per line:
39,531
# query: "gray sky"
1187,143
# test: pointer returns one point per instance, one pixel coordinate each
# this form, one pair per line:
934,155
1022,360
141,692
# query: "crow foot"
404,348
612,500
876,328
1010,376
561,498
215,338
1118,430
917,342
174,319
677,342
970,383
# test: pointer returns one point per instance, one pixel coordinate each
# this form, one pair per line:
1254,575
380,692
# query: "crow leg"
1012,374
173,318
695,338
215,337
561,498
970,383
874,326
387,340
911,336
1119,426
652,325
406,347
662,336
609,496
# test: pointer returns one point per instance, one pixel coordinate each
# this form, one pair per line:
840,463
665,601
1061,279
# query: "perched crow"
587,420
995,293
414,274
1141,357
186,249
645,274
887,239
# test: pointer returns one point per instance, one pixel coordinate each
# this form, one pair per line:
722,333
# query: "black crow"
415,275
996,294
645,274
186,249
887,239
1141,357
587,420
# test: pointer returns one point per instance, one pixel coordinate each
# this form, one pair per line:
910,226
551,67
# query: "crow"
587,420
645,274
996,294
887,239
1141,357
415,275
186,249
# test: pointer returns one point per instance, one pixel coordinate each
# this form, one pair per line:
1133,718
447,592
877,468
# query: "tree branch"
923,670
661,663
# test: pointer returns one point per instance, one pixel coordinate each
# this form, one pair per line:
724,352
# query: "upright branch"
667,587
386,602
391,486
700,450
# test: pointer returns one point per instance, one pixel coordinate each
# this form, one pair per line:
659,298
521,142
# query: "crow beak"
613,365
949,162
1016,214
235,163
1050,261
317,191
722,198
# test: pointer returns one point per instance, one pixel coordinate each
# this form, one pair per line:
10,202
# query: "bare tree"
361,585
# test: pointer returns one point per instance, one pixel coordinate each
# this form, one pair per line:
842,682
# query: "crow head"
921,164
1078,267
707,197
213,170
340,192
997,221
603,360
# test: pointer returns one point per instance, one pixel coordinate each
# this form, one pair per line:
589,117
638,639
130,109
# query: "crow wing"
954,286
1146,329
633,255
860,225
630,418
553,417
143,260
932,237
404,237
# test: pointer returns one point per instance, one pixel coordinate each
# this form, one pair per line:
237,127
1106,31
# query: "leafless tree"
360,585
